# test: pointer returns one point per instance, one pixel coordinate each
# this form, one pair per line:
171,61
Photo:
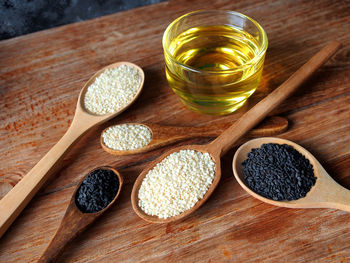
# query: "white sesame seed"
176,183
112,90
127,137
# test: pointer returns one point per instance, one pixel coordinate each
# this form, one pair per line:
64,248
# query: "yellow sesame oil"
214,69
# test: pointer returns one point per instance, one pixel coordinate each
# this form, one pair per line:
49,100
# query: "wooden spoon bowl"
326,193
75,221
154,219
224,142
108,116
20,195
164,135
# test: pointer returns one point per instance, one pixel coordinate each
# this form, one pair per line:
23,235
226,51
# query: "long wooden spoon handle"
72,224
343,200
340,199
329,193
269,126
68,229
14,201
225,141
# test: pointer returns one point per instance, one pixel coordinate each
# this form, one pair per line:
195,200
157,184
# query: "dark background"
19,17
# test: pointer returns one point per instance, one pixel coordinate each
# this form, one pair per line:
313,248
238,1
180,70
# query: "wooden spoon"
19,196
74,222
326,193
223,143
164,135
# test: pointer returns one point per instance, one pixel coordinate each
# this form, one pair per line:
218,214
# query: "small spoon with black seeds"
96,192
283,173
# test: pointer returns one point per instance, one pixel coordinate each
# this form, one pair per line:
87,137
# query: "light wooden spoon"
326,193
164,135
14,201
74,222
224,142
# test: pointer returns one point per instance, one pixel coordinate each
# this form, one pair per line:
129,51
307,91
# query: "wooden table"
42,73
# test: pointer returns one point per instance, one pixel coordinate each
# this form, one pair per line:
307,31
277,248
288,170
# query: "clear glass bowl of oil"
214,59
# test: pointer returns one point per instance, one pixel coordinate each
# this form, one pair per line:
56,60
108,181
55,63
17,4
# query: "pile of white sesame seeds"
126,137
176,183
112,90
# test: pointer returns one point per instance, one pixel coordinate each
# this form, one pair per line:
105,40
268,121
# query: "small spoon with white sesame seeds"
135,138
215,149
326,193
19,196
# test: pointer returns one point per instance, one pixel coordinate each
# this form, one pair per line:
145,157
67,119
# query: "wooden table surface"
42,73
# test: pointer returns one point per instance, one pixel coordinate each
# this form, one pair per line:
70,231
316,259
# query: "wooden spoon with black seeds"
325,193
96,192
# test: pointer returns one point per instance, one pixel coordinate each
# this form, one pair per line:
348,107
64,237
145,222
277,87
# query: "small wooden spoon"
74,222
164,135
223,143
326,193
19,196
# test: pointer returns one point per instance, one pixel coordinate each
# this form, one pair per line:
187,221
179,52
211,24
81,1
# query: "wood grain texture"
41,75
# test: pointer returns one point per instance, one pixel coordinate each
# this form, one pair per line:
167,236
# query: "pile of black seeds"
278,172
97,190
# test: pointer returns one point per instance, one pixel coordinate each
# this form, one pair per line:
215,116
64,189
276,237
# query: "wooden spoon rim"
256,143
81,106
96,214
138,182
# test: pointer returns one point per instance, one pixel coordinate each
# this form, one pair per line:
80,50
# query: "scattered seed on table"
278,172
176,183
112,90
127,137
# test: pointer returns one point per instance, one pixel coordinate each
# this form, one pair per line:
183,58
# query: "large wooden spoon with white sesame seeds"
14,201
224,142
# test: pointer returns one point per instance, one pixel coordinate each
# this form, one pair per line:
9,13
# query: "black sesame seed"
97,190
278,172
